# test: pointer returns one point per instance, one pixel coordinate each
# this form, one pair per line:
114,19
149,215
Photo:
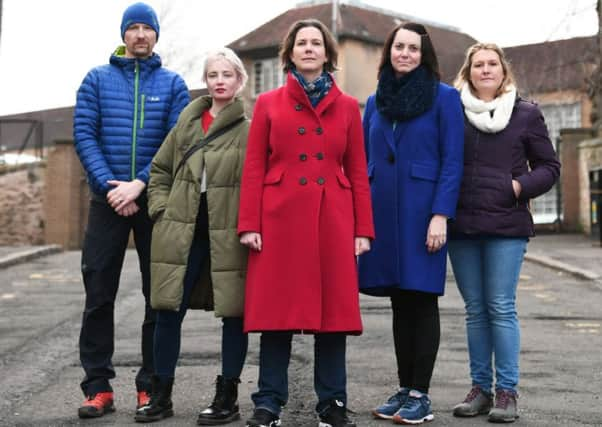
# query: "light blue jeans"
487,272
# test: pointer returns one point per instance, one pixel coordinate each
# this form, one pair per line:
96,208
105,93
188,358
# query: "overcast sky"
46,47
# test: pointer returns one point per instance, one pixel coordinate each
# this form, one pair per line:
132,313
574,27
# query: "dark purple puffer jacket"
521,151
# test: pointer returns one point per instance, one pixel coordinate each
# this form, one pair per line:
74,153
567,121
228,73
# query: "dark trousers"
168,330
105,243
416,333
330,375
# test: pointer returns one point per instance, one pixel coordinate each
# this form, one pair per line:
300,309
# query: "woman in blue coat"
413,129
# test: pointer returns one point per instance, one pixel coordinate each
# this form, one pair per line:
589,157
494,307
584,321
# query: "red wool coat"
305,189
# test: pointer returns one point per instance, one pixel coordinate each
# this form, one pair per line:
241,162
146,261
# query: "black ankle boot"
224,408
160,405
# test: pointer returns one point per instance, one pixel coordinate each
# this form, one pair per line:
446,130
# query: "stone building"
554,74
557,76
361,31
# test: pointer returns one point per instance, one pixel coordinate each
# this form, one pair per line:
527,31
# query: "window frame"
267,75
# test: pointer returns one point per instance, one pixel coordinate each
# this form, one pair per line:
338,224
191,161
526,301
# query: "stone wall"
21,205
572,184
66,205
590,158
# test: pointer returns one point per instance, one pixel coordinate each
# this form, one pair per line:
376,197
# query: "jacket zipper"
142,101
474,168
136,78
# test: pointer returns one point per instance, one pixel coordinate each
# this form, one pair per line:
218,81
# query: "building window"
557,116
267,75
561,116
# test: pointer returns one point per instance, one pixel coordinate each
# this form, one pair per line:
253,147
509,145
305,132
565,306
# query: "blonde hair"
230,56
464,73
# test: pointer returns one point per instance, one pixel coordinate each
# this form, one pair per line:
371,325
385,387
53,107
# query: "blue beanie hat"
139,13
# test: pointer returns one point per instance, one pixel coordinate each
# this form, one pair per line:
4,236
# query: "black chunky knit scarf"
405,97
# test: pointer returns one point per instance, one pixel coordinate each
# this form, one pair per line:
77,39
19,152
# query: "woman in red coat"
305,212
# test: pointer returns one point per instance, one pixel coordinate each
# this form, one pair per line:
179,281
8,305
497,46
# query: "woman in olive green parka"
174,204
197,260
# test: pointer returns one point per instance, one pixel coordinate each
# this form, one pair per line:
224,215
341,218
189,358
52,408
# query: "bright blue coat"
123,112
415,169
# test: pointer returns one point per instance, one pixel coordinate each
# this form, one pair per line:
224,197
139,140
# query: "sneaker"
477,402
143,399
505,409
97,405
416,409
335,415
392,405
263,418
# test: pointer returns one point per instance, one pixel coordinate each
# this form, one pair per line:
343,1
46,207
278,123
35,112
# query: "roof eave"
272,48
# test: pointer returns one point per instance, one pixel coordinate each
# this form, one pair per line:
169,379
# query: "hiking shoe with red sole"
97,405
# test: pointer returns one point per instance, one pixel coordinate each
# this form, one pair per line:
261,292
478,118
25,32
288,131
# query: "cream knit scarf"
479,112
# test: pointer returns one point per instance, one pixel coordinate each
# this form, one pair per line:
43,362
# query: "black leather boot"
160,405
224,408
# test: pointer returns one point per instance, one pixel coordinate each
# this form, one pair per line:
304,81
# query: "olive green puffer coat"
174,202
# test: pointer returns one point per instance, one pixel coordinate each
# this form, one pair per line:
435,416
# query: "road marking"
545,296
585,328
533,287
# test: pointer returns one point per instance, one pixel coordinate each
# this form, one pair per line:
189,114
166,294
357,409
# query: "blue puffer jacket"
123,113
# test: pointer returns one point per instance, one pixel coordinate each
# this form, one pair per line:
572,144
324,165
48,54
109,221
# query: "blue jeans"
487,272
330,375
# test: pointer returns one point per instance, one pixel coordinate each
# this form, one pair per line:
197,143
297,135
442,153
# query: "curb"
28,255
562,266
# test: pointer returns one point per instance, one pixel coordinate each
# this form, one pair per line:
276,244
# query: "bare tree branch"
175,54
0,20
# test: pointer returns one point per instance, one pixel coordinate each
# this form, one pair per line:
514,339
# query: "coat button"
321,181
301,130
319,131
298,107
303,157
391,158
303,180
320,156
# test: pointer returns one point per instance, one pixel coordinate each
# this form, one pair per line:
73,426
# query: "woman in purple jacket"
508,159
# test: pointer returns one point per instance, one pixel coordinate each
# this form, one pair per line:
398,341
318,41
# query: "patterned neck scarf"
317,89
406,97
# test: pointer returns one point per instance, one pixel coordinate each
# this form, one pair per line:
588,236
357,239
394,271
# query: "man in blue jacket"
124,111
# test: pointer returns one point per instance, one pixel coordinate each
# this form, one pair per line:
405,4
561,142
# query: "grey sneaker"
477,402
505,409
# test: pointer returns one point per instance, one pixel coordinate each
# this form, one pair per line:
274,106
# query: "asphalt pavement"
41,301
